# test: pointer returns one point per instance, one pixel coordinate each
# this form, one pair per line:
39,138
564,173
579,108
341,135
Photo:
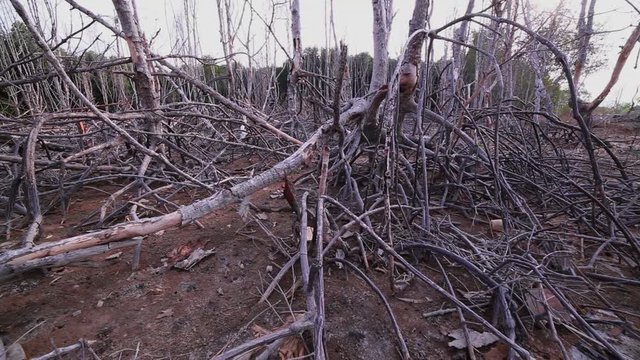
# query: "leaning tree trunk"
615,74
146,88
146,85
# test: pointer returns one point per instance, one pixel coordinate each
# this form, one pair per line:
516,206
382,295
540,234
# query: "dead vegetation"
541,213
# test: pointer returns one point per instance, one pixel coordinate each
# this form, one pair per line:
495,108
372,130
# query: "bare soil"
158,312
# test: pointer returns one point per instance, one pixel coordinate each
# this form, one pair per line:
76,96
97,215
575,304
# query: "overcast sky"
353,24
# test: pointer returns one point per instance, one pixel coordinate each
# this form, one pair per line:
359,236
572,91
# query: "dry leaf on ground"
292,347
477,339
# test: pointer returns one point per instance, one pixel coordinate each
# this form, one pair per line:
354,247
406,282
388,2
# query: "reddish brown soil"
157,312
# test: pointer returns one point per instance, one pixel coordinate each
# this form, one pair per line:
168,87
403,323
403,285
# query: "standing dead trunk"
227,40
457,70
295,63
509,35
146,87
228,36
145,83
585,30
382,18
486,64
381,28
408,76
542,96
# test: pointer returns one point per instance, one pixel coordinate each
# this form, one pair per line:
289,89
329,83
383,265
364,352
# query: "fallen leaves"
477,339
194,258
498,352
292,347
188,255
262,216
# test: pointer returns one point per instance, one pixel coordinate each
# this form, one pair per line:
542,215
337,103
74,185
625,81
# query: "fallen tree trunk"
20,260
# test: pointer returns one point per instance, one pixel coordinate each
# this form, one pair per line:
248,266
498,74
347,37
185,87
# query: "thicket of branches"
403,149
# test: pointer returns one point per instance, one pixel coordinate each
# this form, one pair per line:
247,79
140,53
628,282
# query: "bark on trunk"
227,40
585,29
295,64
381,28
542,96
138,48
457,57
408,76
24,259
30,187
615,75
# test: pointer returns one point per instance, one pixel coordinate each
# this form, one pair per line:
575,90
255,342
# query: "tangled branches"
411,182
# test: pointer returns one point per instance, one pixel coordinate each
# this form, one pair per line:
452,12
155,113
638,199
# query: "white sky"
353,24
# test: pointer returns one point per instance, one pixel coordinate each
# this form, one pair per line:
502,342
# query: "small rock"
76,313
220,292
100,304
269,268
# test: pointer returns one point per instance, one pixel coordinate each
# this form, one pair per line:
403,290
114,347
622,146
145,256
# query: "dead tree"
382,20
634,37
294,67
227,35
145,82
395,190
585,31
543,100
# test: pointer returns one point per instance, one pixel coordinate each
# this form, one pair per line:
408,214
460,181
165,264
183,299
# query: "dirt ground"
158,312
